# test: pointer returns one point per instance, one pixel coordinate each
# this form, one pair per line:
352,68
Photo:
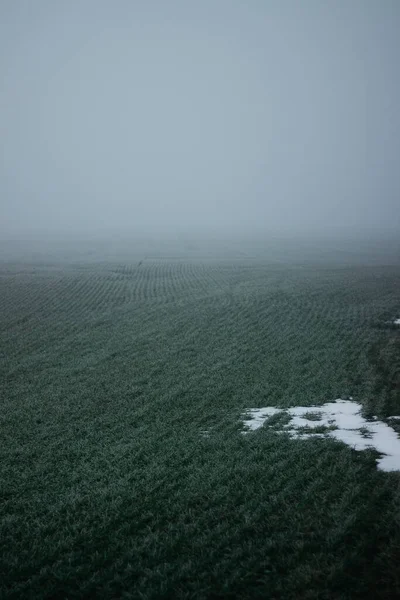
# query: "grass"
111,373
315,430
312,416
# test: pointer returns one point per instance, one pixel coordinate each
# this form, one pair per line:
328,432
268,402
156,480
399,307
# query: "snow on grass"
397,321
257,416
343,421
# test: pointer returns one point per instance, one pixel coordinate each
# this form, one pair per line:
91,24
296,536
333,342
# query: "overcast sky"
190,115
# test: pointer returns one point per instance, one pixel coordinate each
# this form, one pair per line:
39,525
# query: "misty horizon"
217,118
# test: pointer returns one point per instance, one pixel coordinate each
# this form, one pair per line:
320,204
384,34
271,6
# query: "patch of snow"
397,321
351,428
257,416
306,436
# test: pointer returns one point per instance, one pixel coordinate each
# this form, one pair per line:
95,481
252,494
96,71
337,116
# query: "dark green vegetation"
110,373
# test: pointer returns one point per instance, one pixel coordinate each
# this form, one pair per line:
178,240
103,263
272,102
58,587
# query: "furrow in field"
106,294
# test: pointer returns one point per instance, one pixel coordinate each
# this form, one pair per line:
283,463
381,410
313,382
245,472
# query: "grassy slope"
111,372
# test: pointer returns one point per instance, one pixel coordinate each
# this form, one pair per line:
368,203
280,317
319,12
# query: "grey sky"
189,115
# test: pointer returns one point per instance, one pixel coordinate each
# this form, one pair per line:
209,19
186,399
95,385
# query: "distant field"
113,368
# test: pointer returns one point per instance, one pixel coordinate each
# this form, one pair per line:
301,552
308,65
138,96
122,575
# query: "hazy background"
182,117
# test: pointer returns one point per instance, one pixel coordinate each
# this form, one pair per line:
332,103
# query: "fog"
187,117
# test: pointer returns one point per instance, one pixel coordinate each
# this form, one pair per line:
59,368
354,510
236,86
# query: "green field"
113,365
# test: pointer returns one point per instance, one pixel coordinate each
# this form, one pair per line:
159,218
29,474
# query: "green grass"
312,416
111,373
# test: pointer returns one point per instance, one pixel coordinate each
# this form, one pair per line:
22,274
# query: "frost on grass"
342,420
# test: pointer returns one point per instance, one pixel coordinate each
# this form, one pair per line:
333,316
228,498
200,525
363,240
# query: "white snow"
350,428
259,415
397,321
